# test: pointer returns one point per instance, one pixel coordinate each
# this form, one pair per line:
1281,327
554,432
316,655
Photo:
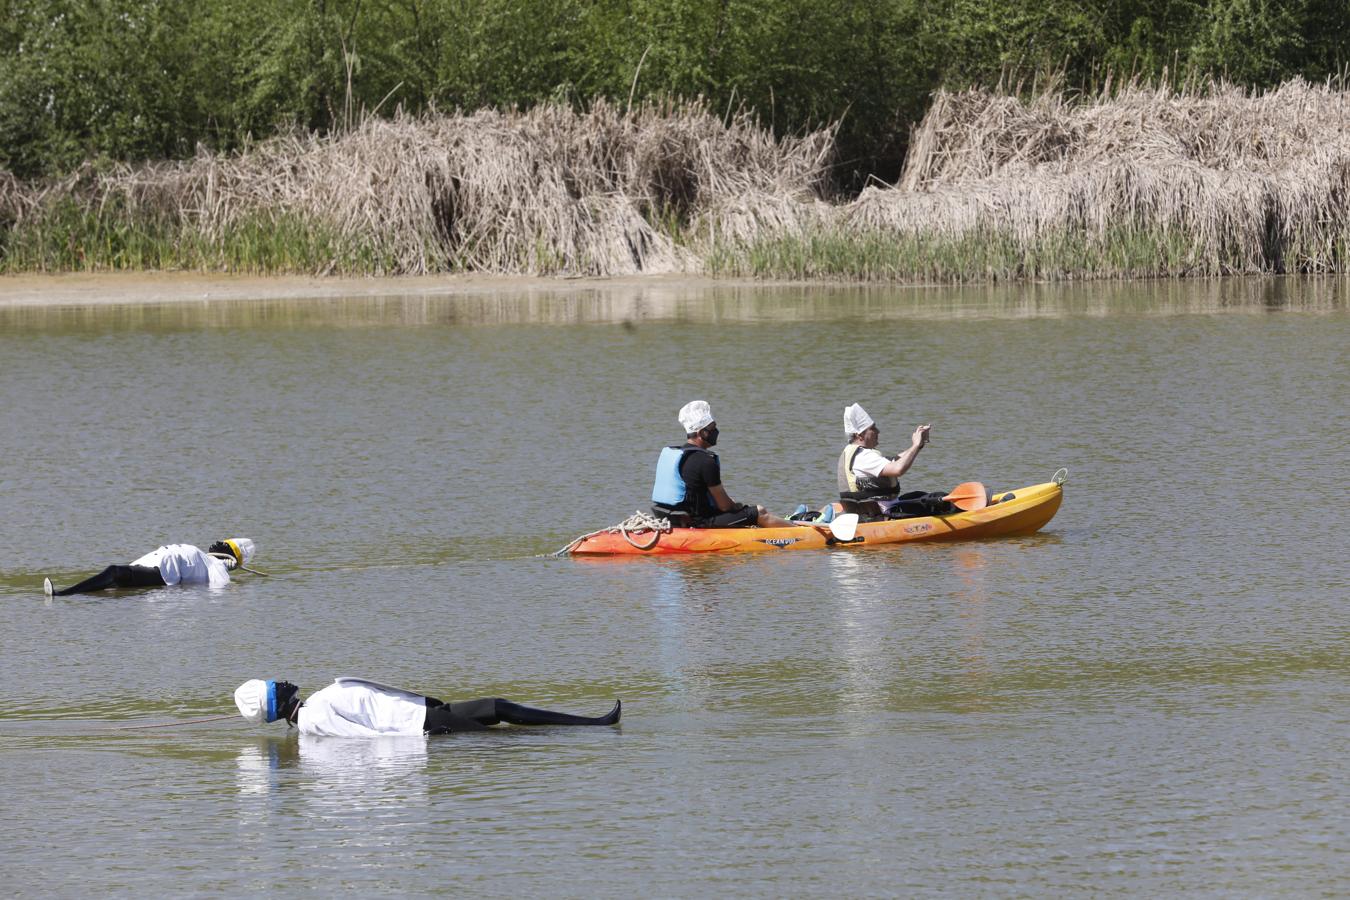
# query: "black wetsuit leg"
477,715
441,719
491,710
116,576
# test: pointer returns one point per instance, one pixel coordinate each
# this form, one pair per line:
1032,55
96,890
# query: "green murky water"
1149,697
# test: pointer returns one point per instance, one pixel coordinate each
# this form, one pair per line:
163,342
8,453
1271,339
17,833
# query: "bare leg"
769,520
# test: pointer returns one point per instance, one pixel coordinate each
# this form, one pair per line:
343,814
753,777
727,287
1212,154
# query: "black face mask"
286,695
710,436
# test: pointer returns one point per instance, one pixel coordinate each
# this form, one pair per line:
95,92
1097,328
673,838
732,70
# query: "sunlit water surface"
1148,698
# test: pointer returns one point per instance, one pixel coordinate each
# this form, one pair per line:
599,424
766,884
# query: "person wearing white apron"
355,707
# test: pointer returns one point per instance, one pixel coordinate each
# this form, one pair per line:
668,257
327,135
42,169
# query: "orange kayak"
1022,511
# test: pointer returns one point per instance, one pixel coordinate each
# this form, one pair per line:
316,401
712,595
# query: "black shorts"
742,517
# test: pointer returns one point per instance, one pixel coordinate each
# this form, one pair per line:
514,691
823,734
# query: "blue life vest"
670,491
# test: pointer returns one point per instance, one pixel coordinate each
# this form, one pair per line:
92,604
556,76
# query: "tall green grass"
1123,252
68,237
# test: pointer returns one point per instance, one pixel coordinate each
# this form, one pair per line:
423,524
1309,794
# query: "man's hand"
921,435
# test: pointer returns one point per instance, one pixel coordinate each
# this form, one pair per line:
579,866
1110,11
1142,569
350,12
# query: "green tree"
136,79
1254,42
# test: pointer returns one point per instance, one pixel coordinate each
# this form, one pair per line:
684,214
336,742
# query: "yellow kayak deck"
1025,512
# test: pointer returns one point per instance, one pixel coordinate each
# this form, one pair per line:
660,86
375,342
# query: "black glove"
221,551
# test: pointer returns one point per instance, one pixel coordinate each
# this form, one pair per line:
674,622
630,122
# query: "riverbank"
123,288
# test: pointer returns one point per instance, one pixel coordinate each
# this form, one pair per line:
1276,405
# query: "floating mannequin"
170,564
355,707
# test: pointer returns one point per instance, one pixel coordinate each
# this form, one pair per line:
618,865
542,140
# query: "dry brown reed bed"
1245,182
1206,179
551,190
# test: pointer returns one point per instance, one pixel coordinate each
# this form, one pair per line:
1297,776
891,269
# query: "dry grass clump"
552,190
978,134
16,198
1220,179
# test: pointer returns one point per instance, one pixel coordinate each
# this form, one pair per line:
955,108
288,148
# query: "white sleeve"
217,574
869,462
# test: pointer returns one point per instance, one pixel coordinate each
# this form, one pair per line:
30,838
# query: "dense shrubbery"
152,79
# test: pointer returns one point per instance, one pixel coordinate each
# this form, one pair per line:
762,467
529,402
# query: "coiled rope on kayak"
638,523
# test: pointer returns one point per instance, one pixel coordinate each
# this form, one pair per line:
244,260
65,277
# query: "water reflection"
971,565
687,594
862,650
633,303
257,765
668,607
337,777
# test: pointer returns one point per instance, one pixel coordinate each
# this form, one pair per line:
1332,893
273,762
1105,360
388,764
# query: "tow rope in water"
638,523
169,724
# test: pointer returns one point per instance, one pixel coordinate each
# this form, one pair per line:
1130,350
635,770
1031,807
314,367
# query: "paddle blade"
844,527
969,495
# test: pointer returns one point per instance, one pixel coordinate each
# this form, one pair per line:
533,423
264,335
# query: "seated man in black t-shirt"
689,480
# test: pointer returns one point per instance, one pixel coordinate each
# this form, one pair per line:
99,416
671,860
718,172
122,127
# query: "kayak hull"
1026,513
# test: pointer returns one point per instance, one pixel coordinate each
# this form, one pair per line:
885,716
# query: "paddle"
968,496
842,528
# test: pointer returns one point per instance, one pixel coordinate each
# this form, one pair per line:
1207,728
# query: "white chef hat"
257,700
856,420
694,415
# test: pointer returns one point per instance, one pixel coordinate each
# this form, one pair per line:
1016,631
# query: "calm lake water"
1151,697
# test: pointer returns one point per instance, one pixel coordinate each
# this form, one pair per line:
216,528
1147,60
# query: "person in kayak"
171,564
355,707
863,473
688,489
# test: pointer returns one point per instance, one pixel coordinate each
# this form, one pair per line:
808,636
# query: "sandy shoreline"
114,288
